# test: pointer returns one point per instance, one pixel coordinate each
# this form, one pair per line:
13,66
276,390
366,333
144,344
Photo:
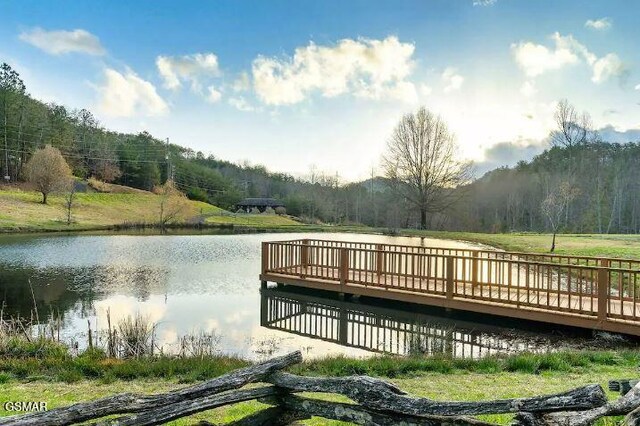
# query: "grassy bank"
91,376
609,245
21,211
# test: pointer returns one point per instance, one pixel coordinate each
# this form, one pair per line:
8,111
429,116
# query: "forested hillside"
587,185
605,186
139,160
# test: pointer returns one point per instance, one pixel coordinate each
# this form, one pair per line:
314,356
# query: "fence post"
449,275
474,268
265,257
304,254
344,268
380,259
603,289
304,257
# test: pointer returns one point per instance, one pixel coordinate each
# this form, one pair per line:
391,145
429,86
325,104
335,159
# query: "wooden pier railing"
598,293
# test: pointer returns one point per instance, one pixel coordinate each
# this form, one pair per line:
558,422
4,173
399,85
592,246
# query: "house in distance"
262,204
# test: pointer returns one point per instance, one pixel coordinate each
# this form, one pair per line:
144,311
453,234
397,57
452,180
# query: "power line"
73,155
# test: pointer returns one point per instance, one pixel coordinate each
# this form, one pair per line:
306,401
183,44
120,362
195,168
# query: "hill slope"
22,211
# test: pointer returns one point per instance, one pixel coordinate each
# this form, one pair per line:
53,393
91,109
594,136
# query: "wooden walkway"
595,293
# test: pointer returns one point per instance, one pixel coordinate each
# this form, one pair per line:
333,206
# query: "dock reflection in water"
395,330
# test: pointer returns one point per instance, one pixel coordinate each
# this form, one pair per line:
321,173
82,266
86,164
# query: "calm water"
193,283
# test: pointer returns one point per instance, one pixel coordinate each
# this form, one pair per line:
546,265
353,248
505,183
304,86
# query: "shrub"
197,194
47,171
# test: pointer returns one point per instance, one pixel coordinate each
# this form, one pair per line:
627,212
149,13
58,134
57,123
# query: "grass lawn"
22,211
606,245
29,372
252,220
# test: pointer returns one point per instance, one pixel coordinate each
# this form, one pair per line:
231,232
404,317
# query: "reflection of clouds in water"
212,324
154,309
237,317
169,336
262,338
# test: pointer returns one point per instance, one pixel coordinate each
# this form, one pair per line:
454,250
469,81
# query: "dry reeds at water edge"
28,336
133,336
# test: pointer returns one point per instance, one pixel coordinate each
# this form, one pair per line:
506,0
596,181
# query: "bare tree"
172,203
420,161
47,171
554,206
69,199
573,128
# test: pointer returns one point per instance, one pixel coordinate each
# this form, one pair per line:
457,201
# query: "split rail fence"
374,402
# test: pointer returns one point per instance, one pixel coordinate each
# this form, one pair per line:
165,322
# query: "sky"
301,85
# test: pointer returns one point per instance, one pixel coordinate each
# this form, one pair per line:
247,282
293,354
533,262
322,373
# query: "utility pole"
169,166
6,151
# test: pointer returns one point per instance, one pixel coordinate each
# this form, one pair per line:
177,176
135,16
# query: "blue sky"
301,84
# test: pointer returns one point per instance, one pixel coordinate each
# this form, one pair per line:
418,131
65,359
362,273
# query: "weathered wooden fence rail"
599,293
375,402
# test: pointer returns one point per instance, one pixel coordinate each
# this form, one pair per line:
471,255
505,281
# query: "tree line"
580,184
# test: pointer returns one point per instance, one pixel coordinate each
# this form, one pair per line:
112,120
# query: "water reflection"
209,283
396,330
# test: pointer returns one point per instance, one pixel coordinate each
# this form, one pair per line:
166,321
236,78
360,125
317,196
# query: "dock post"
474,269
343,326
344,268
264,310
265,257
603,289
304,257
449,276
380,259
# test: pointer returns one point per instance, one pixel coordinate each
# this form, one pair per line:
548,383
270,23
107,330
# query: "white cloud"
425,89
213,95
126,95
367,68
637,87
536,59
188,68
61,42
606,67
599,24
528,89
452,80
242,83
484,2
241,104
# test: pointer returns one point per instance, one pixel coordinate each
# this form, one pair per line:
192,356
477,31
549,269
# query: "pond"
189,284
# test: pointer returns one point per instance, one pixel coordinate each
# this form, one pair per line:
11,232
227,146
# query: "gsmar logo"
25,406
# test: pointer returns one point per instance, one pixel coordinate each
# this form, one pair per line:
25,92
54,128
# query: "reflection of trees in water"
64,290
50,291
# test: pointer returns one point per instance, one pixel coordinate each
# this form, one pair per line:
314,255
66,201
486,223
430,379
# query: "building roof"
260,202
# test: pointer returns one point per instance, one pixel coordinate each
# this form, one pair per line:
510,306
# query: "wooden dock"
587,292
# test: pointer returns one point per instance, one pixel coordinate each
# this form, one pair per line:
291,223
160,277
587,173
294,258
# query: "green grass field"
21,211
607,245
